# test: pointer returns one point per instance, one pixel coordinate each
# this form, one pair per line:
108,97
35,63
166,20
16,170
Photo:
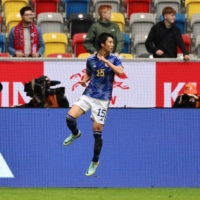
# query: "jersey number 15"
100,72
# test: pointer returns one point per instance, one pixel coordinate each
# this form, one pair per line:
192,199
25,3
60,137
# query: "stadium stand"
12,19
119,19
127,44
141,23
192,7
4,55
126,55
84,55
41,6
139,44
79,23
135,6
77,43
160,4
75,6
195,25
197,46
12,6
55,43
2,43
60,55
187,42
50,22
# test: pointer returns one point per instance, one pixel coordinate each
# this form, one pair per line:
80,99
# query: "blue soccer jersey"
102,76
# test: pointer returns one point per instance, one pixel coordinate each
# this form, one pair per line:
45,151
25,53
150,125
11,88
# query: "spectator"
104,25
165,36
25,39
43,96
189,98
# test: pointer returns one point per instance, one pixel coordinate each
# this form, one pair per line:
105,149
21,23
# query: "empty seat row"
82,6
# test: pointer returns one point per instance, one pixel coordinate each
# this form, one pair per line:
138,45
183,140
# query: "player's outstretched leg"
97,150
72,125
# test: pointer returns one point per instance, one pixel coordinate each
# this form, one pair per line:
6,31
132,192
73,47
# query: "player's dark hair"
102,39
24,9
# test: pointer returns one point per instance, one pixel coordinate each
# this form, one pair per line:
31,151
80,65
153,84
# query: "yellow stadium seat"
84,55
126,55
55,43
119,19
192,7
12,20
13,6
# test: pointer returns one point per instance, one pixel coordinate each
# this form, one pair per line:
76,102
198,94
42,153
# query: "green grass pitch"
99,194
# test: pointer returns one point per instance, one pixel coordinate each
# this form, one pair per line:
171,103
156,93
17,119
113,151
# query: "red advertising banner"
170,79
13,76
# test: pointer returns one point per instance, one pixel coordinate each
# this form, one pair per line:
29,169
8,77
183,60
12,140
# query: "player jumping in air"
101,68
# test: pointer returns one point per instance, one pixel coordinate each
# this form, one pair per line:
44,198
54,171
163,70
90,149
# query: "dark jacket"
186,101
90,42
167,40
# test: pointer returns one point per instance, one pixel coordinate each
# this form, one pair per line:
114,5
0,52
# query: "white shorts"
98,107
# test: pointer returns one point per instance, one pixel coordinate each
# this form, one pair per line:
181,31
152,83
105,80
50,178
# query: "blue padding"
180,21
127,42
75,6
142,148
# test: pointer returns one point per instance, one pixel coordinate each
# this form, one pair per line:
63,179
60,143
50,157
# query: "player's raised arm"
117,69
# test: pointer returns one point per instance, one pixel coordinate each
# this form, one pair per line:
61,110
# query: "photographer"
189,99
43,96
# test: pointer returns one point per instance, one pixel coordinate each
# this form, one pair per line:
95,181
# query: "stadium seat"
127,44
187,42
126,55
50,22
41,6
2,43
12,20
119,19
12,6
55,43
180,21
195,25
160,4
77,43
79,23
114,3
197,46
135,6
139,44
141,23
192,7
84,55
75,6
60,55
4,55
146,55
1,20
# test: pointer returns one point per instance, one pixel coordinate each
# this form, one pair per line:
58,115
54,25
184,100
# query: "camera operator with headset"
189,98
43,96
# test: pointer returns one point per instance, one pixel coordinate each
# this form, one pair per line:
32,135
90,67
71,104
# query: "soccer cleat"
71,138
92,168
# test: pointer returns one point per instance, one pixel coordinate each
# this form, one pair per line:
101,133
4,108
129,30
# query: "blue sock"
72,125
98,142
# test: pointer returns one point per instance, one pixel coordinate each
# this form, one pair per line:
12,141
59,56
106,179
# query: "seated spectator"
104,24
25,39
189,99
165,36
43,96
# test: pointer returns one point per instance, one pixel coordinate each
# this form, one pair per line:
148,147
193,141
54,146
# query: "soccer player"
101,68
